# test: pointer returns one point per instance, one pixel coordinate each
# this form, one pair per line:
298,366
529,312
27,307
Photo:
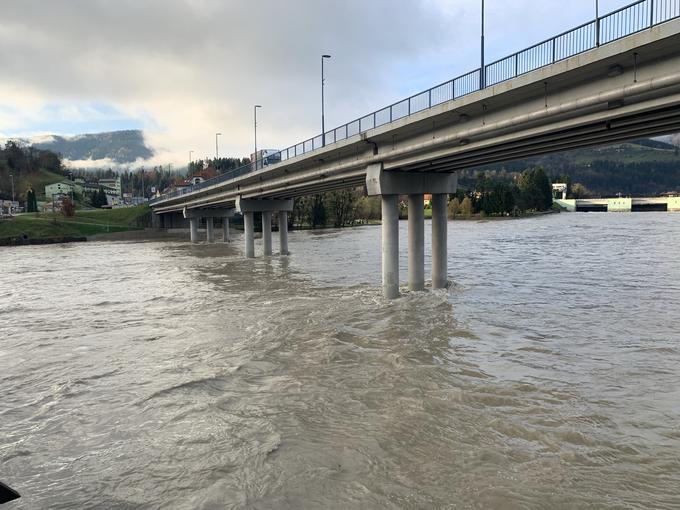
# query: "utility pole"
217,150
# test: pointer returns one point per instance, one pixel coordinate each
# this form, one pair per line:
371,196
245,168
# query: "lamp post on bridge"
482,71
217,150
597,23
255,126
323,80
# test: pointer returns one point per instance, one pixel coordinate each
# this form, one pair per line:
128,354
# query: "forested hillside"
27,166
640,168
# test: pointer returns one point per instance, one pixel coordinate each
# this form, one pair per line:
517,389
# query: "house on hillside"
181,184
114,184
59,188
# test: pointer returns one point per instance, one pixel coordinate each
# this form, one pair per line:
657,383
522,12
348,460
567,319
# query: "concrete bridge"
615,78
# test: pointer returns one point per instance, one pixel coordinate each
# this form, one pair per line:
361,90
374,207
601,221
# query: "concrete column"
193,229
209,230
390,245
283,232
416,242
439,233
267,232
225,230
249,231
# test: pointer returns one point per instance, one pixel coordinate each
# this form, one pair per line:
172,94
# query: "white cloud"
186,69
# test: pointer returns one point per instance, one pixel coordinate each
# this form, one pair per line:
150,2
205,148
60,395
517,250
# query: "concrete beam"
244,205
208,213
379,182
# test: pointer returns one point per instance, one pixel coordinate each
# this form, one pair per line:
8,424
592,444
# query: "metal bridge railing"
623,22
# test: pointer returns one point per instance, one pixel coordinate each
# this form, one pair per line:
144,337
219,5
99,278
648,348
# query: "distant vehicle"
266,157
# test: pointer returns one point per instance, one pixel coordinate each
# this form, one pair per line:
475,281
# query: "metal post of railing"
651,13
429,100
553,50
390,113
373,120
516,64
409,106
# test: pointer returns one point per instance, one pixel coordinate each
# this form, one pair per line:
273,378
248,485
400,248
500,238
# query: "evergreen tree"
99,199
31,202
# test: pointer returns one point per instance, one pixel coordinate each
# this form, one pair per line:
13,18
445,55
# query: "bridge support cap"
380,182
208,213
244,205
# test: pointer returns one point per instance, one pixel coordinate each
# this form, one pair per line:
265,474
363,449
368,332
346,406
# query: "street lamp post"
217,150
482,71
597,22
323,126
255,127
11,207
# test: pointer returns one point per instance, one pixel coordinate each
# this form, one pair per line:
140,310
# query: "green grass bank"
31,228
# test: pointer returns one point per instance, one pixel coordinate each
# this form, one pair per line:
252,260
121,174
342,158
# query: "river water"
165,375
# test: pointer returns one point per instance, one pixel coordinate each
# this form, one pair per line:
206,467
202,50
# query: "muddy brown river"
165,375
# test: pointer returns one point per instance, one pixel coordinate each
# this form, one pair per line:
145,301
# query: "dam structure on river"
612,79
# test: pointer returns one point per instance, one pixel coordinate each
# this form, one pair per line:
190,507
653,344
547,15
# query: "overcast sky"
183,70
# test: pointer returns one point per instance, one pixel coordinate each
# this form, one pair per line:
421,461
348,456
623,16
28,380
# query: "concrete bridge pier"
249,206
390,245
209,230
267,233
389,185
439,240
195,215
416,242
193,229
249,231
225,230
283,232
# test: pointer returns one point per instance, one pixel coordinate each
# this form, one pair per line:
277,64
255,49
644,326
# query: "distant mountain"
119,146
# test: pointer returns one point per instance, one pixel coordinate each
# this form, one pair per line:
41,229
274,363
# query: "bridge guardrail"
628,20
